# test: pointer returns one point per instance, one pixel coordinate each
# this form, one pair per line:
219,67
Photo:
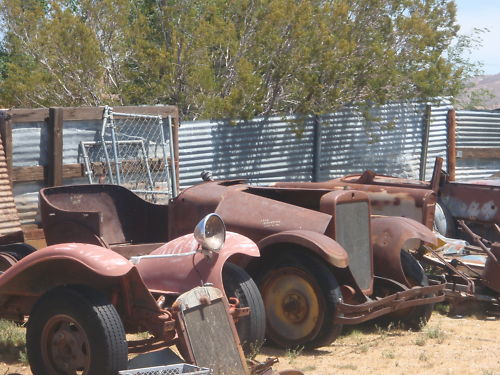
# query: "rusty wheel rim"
65,346
6,261
294,306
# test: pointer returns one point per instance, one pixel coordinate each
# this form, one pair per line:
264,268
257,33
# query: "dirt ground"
446,346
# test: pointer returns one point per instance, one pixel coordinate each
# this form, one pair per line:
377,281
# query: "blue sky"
482,14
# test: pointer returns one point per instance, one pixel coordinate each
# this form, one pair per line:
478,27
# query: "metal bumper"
354,314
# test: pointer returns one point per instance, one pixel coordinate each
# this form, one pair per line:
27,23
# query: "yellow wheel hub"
293,303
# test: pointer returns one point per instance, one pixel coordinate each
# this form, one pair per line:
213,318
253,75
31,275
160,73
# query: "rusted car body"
389,196
475,202
82,298
471,272
440,204
115,218
325,261
319,248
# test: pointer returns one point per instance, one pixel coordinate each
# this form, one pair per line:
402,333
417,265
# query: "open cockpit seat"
106,215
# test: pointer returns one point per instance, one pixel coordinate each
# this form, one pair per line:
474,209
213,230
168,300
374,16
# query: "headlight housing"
210,233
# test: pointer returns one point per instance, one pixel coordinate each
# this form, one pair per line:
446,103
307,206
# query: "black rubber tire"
418,317
413,318
321,279
92,314
443,220
18,250
251,329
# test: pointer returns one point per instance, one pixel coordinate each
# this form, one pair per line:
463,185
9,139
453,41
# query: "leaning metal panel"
181,368
352,227
208,327
133,151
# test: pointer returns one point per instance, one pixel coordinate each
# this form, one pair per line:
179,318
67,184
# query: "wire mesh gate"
135,151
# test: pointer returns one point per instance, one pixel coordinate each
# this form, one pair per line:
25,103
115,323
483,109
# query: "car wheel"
443,221
6,261
251,329
300,296
414,318
75,332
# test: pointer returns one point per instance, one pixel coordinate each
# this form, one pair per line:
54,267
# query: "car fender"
389,236
326,248
73,264
178,273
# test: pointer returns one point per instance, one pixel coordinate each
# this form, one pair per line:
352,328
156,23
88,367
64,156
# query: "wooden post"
55,147
6,134
451,155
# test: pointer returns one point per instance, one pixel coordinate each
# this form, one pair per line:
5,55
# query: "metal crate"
181,368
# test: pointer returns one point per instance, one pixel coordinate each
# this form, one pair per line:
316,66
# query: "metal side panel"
210,332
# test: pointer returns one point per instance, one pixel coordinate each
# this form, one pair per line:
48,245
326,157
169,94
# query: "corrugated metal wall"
438,136
9,219
30,149
261,150
477,130
387,140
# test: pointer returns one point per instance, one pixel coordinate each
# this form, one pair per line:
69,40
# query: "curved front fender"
389,236
180,273
325,247
73,264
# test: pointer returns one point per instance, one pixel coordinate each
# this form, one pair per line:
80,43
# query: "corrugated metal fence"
388,139
478,144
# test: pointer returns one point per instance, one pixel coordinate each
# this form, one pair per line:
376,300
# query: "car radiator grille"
352,231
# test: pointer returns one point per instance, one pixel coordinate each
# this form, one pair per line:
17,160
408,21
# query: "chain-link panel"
133,152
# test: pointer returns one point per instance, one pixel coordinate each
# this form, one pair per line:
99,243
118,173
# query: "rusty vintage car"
115,218
81,299
454,209
325,262
436,203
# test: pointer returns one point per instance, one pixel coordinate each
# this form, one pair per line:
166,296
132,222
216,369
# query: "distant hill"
487,82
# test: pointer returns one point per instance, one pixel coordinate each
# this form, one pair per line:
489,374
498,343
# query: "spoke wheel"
300,294
75,333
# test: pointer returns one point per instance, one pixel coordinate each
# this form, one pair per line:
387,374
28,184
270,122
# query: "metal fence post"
425,141
316,171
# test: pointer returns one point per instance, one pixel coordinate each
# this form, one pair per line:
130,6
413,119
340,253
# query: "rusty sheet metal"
10,226
257,217
474,202
491,274
415,203
389,236
186,271
355,314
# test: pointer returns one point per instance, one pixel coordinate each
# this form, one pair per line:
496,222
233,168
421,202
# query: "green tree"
242,58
